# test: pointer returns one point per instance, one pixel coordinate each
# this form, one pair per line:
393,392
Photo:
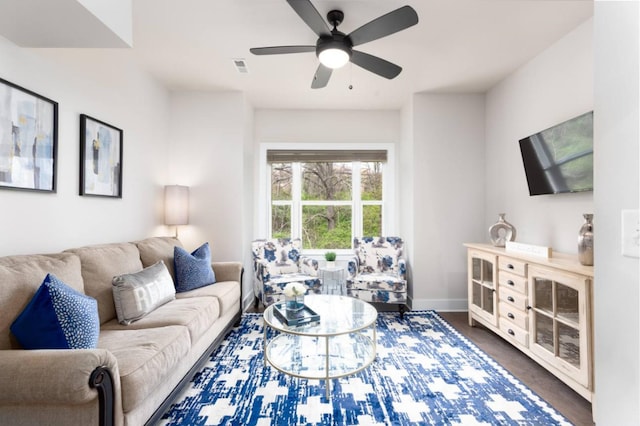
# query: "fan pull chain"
350,76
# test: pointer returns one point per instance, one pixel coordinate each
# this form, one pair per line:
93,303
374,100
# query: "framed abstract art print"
28,139
100,158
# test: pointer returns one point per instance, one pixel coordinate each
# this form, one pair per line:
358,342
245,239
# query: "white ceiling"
457,46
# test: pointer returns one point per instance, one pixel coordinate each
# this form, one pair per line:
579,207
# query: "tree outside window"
326,203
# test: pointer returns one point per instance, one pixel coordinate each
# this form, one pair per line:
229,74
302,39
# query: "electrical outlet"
631,233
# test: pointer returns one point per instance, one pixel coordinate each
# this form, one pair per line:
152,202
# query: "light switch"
631,233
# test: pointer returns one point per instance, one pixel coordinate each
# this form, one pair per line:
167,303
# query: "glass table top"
338,315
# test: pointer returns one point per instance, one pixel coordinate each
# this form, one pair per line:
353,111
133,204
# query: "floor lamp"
176,205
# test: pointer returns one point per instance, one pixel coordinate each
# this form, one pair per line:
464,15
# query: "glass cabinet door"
482,286
559,322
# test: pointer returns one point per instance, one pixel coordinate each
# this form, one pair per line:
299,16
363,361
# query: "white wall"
405,188
617,280
326,126
447,172
207,132
555,86
249,205
86,81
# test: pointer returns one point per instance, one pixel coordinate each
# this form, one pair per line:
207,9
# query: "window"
326,197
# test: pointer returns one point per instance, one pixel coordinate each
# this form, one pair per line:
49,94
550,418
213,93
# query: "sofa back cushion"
378,254
280,255
100,263
20,278
158,248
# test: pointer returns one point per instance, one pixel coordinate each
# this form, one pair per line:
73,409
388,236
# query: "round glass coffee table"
342,342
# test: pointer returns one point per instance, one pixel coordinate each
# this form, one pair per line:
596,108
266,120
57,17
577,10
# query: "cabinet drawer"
514,332
514,299
518,267
513,282
516,316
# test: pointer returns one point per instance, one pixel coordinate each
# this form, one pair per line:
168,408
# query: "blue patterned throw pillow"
193,270
58,317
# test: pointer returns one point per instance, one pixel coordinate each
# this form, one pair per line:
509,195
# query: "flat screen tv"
560,158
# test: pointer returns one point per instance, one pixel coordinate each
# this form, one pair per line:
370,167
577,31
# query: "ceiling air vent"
241,66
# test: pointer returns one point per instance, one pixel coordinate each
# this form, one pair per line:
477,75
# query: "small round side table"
333,280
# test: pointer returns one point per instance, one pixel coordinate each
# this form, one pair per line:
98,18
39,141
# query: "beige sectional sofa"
137,369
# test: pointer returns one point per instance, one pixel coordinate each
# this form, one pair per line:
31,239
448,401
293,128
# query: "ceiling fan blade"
375,65
321,78
278,50
310,16
385,25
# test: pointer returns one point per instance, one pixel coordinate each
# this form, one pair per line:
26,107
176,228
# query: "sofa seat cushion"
145,357
377,281
197,315
100,263
20,277
227,293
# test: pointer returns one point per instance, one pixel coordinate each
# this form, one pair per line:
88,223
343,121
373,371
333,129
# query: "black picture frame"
100,158
28,139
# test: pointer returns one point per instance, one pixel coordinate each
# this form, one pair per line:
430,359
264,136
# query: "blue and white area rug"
425,373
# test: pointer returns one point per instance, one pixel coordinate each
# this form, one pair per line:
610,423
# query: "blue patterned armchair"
378,272
276,263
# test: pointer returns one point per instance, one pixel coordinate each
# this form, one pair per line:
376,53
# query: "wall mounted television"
560,158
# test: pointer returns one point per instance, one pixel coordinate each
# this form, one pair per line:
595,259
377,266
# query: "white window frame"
389,204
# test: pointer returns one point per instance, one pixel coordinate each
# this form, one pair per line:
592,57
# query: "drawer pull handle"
511,283
510,266
510,299
510,331
510,315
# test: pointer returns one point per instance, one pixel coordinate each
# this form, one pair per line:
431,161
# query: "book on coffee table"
300,317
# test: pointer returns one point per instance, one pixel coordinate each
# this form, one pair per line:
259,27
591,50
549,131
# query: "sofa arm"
402,268
227,271
56,376
353,265
260,271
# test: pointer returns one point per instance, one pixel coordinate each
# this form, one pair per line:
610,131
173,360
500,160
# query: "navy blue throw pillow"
193,270
58,317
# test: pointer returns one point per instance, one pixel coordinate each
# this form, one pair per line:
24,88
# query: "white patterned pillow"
137,294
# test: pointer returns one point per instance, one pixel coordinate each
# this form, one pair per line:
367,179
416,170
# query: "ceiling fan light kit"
333,53
334,49
333,57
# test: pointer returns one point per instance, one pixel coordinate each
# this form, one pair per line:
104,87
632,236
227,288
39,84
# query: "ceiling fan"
334,48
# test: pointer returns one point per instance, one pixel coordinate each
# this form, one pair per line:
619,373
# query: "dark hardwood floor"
564,399
560,396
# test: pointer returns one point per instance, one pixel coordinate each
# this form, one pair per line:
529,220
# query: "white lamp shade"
176,205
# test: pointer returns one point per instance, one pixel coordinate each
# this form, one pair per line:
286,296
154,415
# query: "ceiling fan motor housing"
335,40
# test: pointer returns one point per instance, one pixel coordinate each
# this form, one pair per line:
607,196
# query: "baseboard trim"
444,305
247,301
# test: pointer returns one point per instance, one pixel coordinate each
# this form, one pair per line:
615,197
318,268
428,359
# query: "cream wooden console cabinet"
542,306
